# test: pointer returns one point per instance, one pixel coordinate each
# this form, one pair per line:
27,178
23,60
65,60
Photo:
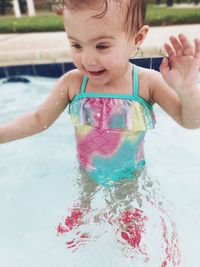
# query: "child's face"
100,48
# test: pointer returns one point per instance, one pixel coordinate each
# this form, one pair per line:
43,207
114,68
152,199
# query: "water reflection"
133,211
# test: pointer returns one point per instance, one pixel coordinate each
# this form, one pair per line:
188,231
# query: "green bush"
159,15
156,15
40,23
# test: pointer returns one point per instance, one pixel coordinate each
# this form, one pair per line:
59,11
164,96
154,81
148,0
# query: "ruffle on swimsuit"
110,132
111,113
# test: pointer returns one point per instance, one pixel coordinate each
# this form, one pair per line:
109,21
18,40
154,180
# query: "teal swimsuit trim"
134,96
122,96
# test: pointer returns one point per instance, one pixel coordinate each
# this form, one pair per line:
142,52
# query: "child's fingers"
197,48
164,67
176,45
187,48
169,50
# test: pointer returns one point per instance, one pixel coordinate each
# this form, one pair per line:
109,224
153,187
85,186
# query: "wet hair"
134,16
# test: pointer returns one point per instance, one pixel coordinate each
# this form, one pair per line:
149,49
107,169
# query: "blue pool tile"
57,69
19,70
155,63
68,66
48,70
141,62
2,73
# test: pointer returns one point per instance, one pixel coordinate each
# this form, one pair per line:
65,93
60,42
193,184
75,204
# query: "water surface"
37,176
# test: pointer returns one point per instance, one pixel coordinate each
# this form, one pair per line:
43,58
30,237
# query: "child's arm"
34,122
179,92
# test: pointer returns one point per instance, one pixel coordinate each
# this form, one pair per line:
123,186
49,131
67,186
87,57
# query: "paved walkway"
34,48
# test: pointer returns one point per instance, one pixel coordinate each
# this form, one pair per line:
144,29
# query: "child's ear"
141,35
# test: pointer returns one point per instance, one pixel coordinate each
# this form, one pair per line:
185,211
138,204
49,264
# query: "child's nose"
88,59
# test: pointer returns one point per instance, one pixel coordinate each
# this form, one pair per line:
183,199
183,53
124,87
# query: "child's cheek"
76,60
110,61
117,58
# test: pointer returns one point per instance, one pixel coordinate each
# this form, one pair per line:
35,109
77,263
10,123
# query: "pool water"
37,185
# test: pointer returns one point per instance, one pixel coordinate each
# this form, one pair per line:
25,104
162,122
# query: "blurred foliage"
157,15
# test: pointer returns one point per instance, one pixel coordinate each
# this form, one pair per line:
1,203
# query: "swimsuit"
110,131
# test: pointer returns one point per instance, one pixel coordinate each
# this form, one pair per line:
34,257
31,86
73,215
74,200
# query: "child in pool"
111,106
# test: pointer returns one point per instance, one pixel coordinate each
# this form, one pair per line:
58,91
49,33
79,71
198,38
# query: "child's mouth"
97,73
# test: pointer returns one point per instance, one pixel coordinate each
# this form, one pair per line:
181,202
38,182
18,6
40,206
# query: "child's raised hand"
182,69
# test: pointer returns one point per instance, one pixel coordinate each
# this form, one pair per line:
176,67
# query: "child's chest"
144,91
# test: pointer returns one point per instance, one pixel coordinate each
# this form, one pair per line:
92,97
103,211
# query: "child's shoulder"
147,80
153,81
152,77
160,92
149,74
74,80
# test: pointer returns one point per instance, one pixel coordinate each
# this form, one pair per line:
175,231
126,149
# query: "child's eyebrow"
93,39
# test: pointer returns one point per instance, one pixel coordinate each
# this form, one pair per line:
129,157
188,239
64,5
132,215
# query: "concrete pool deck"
53,47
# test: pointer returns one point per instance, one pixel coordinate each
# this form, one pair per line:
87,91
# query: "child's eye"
77,46
102,46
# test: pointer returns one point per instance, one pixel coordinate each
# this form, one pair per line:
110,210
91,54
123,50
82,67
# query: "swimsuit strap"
135,86
135,81
83,84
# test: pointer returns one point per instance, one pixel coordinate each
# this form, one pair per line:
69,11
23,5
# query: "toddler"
111,106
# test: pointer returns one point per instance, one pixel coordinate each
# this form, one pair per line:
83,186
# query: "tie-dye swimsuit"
110,131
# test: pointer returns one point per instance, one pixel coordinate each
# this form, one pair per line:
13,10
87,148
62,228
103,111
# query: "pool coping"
53,47
46,56
44,48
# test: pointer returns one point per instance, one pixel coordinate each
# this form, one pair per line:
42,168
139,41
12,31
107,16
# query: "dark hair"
135,14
